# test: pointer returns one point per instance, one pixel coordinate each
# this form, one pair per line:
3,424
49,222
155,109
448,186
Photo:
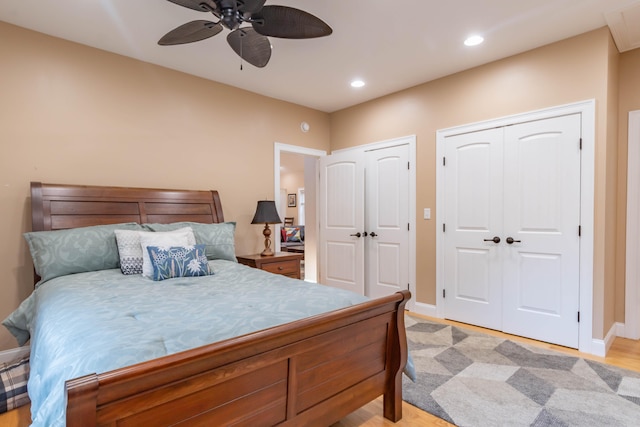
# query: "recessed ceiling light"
473,41
357,83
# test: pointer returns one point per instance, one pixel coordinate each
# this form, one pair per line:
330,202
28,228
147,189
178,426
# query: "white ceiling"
392,45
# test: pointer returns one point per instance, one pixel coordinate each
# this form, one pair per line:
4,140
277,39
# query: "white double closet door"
364,218
512,216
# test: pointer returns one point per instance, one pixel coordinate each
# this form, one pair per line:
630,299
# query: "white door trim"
411,141
632,276
587,109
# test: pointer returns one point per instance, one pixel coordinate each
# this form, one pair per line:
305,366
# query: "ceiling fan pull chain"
241,57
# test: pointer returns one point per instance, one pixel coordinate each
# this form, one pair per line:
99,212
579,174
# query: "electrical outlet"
427,213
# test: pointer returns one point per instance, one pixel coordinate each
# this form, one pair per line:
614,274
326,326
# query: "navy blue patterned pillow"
178,261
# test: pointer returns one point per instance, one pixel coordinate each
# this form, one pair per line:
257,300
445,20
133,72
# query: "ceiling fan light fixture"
251,43
357,83
474,40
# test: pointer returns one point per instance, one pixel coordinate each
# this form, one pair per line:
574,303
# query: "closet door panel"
542,215
341,219
473,217
387,220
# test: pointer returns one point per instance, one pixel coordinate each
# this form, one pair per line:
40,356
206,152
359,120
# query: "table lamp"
266,213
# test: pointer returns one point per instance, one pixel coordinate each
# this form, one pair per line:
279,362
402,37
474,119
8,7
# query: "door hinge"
408,286
408,165
444,228
581,143
444,293
408,227
444,161
579,231
578,317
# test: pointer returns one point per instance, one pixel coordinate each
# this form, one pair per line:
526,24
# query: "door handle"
510,240
496,240
356,235
373,234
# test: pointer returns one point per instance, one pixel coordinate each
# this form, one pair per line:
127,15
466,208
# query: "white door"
387,219
521,185
473,218
342,221
346,243
542,216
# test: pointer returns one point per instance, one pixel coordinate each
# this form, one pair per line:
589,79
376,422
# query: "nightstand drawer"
285,263
287,268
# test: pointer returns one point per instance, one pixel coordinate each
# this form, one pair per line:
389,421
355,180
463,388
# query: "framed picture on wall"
291,200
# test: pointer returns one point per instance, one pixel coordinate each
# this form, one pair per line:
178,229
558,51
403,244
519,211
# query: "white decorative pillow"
130,251
219,238
180,237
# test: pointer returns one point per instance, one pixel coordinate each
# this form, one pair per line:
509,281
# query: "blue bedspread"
99,321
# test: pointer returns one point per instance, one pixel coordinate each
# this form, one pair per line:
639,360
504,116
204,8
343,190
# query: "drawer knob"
280,268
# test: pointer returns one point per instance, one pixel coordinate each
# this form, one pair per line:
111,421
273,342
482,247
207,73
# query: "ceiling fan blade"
251,6
250,46
196,4
190,32
289,23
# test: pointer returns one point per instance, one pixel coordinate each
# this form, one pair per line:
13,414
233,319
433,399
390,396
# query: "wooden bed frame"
314,371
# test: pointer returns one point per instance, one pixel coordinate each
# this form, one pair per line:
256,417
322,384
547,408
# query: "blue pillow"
76,250
178,261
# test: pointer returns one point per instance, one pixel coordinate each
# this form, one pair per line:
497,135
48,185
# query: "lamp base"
267,241
267,252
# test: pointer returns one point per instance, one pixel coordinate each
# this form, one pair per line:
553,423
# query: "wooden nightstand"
285,263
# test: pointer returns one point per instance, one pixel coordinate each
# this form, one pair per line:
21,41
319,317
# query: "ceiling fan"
250,43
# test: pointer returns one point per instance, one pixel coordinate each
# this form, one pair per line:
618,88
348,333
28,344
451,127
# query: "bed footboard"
310,372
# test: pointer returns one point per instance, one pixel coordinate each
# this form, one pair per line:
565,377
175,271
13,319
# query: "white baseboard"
425,309
598,348
621,330
601,347
14,354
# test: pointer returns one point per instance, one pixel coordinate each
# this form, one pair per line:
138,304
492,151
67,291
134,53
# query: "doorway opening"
295,169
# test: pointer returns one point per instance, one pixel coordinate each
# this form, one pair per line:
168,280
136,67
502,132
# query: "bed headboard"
59,206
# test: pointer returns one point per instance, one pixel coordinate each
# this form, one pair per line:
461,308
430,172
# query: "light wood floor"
624,353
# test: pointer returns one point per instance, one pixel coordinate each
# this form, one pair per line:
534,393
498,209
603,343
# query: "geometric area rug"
473,379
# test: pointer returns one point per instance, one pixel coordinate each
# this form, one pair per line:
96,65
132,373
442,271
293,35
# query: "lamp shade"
266,213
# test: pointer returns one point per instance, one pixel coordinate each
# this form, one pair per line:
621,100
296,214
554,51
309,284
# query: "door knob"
496,239
356,235
510,240
372,234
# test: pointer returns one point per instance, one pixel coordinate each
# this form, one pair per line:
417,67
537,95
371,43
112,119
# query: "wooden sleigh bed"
314,371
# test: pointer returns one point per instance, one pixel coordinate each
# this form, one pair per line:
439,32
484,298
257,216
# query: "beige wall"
77,115
628,100
572,70
73,114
